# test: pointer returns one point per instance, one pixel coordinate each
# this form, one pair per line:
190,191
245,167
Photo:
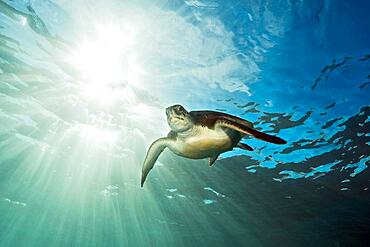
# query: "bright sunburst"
105,62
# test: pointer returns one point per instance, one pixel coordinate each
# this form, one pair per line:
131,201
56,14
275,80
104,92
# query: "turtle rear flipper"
212,160
244,146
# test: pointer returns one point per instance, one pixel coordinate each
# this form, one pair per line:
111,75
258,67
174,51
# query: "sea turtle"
202,134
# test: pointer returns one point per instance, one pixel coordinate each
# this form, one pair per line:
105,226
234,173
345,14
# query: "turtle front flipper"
226,123
155,149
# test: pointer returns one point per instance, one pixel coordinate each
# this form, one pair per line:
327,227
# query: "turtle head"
178,118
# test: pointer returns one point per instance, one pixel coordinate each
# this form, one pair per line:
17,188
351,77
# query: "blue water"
83,88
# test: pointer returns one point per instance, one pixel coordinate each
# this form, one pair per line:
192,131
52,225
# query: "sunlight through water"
83,90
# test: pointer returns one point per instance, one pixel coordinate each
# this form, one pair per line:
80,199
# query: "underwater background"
83,88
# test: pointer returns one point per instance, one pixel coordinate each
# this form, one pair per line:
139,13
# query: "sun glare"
104,59
95,134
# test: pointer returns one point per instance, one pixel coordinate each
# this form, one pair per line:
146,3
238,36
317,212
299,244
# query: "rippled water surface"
83,87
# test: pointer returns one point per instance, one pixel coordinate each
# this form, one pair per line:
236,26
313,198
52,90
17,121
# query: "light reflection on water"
83,87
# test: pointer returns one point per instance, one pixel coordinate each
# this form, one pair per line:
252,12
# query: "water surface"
83,87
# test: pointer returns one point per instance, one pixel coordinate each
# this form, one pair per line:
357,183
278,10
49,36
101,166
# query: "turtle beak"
167,111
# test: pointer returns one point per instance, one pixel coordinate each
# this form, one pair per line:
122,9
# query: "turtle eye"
181,109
